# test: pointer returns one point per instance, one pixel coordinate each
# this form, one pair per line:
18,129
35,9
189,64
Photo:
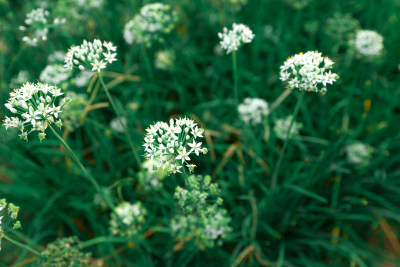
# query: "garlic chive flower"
8,217
22,77
91,56
148,179
172,145
164,60
201,216
359,154
308,72
71,115
152,22
253,110
282,126
37,25
369,43
65,252
232,39
54,74
130,221
35,106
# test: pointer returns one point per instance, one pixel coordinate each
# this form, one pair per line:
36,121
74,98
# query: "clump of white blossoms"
8,217
253,110
369,43
152,22
54,74
359,154
119,125
164,59
82,78
148,179
36,106
19,79
171,145
71,115
87,4
308,72
38,26
128,219
282,126
92,56
232,39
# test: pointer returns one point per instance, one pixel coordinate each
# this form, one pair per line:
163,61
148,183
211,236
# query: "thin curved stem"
294,116
235,78
118,113
84,170
19,244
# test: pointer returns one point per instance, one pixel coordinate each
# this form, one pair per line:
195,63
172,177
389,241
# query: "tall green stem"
19,244
117,111
84,170
235,77
147,62
294,116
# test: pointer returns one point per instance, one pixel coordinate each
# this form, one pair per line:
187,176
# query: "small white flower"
90,55
307,72
369,43
253,110
231,40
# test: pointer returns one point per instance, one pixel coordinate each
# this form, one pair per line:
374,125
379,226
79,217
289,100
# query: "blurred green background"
326,212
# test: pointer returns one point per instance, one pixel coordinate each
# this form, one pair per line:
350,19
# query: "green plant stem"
294,116
147,63
117,111
84,170
103,239
19,244
235,78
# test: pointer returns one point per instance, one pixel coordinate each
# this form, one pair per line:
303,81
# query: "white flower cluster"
37,24
359,154
231,40
54,74
282,126
369,43
164,59
89,3
132,217
36,105
82,78
308,72
253,110
119,125
22,77
92,56
172,144
150,24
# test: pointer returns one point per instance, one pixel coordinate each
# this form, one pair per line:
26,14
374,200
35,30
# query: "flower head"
8,217
65,252
359,154
253,110
37,25
369,43
54,74
201,216
231,40
171,145
164,59
282,126
308,72
35,106
153,21
128,219
91,56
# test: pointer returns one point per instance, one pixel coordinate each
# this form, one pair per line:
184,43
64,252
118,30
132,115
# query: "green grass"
318,192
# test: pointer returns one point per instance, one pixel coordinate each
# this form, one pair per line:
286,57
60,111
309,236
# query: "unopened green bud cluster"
65,252
202,219
8,218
